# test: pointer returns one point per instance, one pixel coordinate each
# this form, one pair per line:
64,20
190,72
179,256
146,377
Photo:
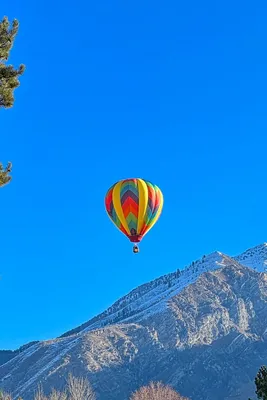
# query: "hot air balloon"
134,206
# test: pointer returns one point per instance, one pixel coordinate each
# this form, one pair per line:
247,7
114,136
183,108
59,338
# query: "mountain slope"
152,298
6,355
202,330
255,258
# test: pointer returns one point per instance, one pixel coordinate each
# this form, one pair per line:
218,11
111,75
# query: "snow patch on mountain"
255,258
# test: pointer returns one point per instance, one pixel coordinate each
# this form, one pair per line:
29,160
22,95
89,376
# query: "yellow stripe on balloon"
116,198
158,212
143,201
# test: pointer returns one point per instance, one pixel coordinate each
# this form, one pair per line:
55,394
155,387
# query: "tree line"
81,389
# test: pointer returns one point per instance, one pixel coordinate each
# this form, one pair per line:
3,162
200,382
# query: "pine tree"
9,78
8,74
261,383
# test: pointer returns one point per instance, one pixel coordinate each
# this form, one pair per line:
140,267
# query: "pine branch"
7,37
5,178
9,76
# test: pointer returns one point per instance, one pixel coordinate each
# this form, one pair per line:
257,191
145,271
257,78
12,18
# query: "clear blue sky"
171,91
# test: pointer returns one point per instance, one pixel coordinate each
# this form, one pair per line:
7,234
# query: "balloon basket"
136,249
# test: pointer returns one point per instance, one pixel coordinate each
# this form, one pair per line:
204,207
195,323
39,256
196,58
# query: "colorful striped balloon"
134,206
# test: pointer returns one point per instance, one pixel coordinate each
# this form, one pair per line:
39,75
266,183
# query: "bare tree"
80,389
156,391
39,394
56,395
5,396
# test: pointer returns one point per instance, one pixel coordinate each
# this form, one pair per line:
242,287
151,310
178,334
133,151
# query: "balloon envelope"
134,206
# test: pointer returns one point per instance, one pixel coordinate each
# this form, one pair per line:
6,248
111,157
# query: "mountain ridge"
250,256
255,257
205,321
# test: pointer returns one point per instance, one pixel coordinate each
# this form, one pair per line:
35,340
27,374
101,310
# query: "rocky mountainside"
202,330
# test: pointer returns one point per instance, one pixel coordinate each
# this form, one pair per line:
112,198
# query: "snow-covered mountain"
202,329
151,298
